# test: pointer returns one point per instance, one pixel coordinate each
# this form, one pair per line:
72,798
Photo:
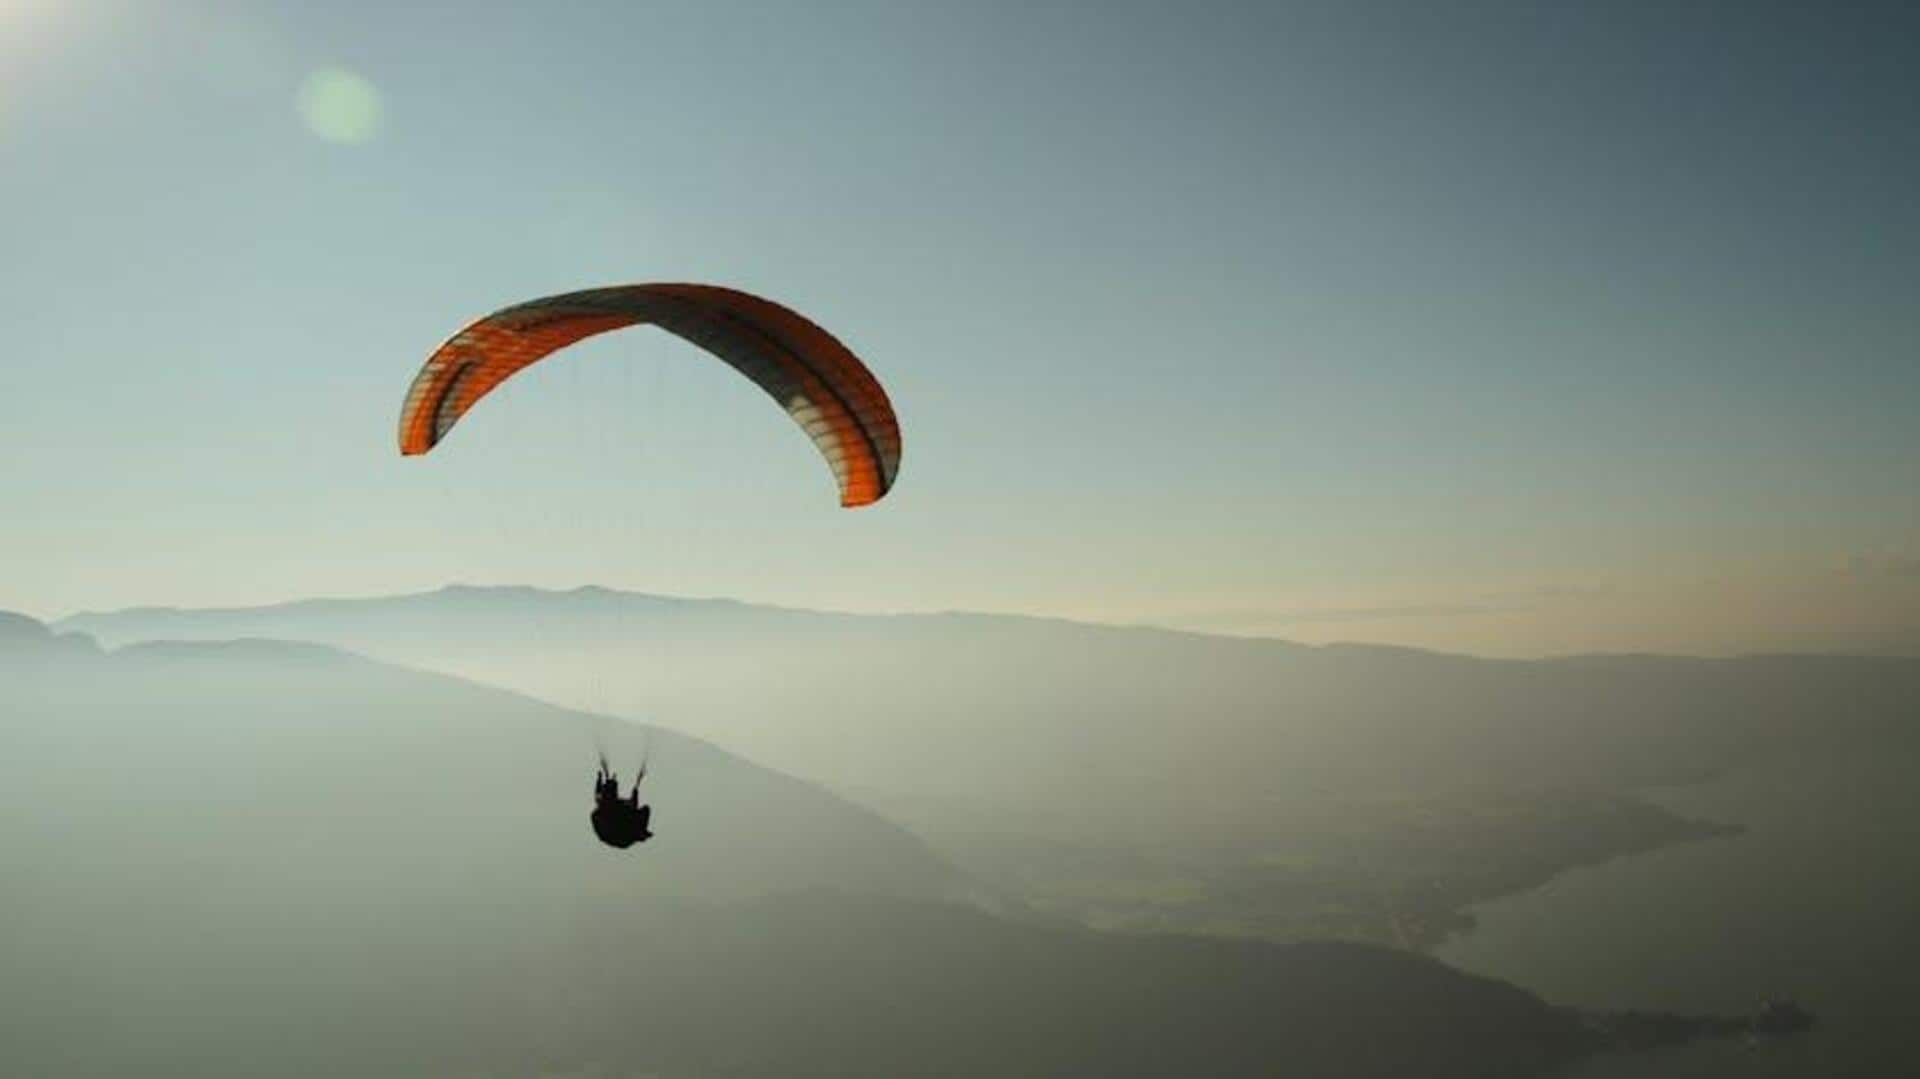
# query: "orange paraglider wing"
805,369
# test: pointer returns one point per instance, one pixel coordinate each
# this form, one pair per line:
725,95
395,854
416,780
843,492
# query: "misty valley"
350,835
1399,871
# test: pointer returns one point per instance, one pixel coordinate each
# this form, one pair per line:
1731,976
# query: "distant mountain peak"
21,633
20,626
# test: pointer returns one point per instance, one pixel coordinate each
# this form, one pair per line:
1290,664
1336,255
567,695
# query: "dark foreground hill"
828,986
822,986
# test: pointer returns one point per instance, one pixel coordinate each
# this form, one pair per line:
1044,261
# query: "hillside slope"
290,754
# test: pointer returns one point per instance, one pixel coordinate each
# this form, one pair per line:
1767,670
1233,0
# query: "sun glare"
25,29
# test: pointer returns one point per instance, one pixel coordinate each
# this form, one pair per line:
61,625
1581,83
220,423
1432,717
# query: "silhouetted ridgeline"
878,988
1637,1031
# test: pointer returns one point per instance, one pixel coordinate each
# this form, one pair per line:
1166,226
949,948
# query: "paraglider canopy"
820,383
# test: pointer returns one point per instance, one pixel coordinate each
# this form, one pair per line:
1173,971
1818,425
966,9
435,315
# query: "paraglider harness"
619,822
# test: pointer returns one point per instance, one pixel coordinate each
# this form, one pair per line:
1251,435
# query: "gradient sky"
1511,328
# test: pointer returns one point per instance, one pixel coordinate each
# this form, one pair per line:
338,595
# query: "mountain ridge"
917,701
79,620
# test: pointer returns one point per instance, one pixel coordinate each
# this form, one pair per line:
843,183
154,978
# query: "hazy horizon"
1282,627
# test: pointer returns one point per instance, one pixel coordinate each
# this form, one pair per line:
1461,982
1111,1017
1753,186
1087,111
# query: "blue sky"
1475,325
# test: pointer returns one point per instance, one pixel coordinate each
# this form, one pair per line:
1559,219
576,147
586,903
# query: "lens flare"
340,106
